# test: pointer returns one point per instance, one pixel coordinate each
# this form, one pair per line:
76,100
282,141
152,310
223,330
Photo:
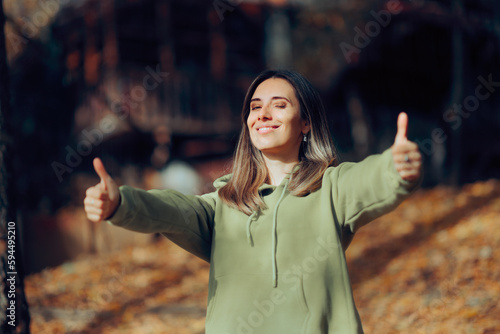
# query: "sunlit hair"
315,156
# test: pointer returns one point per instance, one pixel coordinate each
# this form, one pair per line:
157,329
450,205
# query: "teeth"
270,128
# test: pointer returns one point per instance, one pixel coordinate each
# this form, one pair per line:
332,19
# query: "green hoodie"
282,270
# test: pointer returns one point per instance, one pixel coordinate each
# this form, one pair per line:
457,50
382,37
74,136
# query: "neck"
278,168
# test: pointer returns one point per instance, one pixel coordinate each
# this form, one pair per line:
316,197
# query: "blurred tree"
16,320
457,89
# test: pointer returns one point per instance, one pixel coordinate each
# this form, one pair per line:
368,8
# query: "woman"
276,229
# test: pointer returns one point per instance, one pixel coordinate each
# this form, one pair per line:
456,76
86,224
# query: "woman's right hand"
101,200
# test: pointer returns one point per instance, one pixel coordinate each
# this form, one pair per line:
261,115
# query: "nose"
264,113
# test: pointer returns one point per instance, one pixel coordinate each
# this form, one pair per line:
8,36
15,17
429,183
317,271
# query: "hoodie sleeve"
185,219
367,190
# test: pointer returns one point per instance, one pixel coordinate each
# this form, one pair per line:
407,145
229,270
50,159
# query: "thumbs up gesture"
101,200
405,153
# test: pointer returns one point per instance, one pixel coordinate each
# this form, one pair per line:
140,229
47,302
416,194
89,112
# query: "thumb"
402,128
103,174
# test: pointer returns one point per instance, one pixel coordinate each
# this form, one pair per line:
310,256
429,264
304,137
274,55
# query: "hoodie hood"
222,181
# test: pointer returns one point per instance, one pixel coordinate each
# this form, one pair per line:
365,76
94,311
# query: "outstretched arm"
373,187
186,220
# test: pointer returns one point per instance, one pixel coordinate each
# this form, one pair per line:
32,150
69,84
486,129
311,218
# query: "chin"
265,146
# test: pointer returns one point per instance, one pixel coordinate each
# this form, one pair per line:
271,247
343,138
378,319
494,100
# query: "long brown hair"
315,156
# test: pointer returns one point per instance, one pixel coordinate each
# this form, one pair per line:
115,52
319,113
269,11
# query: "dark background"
144,83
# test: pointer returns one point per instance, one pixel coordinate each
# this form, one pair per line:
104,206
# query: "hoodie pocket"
249,304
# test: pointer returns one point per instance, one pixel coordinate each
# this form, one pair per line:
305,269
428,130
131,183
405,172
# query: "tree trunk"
457,90
14,314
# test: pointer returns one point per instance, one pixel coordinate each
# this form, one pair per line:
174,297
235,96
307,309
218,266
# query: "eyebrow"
273,98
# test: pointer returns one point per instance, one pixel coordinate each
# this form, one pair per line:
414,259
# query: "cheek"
250,121
295,124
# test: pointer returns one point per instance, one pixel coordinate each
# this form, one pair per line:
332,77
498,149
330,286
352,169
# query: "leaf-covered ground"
431,266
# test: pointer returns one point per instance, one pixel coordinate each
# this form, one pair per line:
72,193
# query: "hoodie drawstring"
249,233
275,236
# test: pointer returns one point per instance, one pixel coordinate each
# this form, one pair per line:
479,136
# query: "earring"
305,138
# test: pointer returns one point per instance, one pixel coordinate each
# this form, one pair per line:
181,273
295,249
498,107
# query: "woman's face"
274,121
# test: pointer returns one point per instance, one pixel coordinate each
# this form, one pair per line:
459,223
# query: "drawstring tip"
250,240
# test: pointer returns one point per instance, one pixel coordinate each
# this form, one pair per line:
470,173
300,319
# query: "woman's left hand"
405,153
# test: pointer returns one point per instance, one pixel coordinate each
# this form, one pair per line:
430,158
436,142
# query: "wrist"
115,208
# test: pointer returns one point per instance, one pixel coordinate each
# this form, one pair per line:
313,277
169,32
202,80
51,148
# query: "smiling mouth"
267,129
